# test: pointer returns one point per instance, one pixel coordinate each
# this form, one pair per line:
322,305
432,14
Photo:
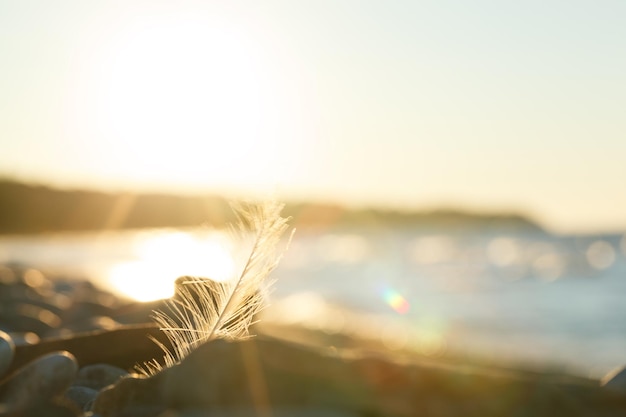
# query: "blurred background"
455,170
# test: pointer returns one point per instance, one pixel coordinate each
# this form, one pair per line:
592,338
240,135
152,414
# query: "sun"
177,99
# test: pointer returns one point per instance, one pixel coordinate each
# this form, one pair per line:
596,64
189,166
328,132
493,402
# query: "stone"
231,375
276,375
131,395
24,339
7,276
93,324
99,375
47,409
253,412
24,316
7,349
615,380
81,397
39,381
35,279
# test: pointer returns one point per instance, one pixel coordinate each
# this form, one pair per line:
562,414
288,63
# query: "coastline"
70,348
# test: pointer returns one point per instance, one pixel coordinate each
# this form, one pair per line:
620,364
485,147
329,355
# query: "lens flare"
396,301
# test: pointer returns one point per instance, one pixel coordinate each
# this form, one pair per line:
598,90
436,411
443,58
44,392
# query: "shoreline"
87,343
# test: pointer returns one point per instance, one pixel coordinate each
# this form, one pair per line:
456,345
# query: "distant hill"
26,208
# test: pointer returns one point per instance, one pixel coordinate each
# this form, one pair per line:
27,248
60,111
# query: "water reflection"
427,250
503,251
343,248
162,257
489,293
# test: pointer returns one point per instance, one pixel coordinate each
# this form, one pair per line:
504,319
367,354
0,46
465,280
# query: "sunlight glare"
163,258
182,100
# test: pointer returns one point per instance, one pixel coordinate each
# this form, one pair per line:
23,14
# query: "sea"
522,296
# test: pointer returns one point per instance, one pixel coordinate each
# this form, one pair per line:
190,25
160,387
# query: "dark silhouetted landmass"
26,208
34,209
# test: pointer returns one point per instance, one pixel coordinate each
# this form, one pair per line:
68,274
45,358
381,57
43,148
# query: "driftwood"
124,347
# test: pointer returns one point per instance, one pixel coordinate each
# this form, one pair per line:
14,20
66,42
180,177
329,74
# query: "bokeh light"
600,254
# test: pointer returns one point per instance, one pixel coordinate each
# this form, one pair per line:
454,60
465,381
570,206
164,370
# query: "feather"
203,309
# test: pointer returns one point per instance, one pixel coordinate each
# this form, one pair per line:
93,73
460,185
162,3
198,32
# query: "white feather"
205,309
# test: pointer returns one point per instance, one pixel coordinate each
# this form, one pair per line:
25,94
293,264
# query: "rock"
24,339
223,375
46,409
7,349
226,373
27,303
99,376
81,397
138,312
35,279
82,309
275,375
7,276
252,412
615,380
92,324
132,395
40,380
28,317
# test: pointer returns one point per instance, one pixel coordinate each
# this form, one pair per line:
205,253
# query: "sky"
483,105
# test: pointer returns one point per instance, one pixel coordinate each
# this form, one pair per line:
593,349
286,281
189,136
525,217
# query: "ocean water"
525,296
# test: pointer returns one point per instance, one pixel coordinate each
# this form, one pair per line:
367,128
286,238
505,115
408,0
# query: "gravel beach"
68,348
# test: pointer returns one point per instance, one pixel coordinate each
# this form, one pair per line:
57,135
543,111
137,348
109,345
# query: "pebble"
46,409
132,395
98,376
26,317
39,380
54,306
7,276
615,380
24,338
251,412
7,349
90,324
81,397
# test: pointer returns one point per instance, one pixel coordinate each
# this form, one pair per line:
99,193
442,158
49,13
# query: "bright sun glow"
161,258
180,100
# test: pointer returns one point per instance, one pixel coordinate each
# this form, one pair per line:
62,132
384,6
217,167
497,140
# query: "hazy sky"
482,104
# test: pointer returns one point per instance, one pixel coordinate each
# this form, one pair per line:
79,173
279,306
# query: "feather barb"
203,309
